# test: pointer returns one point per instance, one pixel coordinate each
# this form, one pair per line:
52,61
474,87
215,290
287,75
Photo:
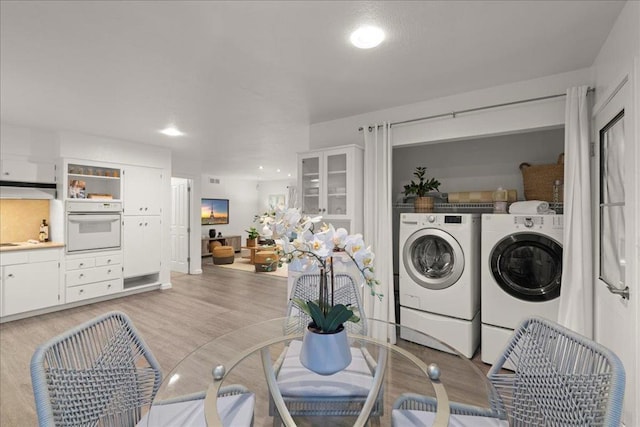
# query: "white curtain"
576,293
377,217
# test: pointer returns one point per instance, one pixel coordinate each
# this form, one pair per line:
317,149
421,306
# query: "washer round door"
528,266
433,258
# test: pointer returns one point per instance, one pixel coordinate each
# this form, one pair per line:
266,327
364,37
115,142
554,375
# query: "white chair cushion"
294,380
236,410
407,417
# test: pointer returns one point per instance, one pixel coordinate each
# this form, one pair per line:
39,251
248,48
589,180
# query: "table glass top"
246,355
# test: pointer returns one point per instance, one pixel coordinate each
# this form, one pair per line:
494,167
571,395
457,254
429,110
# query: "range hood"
27,190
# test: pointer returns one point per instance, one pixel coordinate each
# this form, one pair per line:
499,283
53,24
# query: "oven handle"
94,220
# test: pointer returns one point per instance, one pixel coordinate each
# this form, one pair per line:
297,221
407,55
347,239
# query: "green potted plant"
421,188
252,236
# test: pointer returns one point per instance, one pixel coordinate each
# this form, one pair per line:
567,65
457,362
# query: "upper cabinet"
88,181
330,183
142,190
24,169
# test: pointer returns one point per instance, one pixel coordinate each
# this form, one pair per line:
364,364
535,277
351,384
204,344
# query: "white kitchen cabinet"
142,190
93,275
141,245
30,280
24,169
331,185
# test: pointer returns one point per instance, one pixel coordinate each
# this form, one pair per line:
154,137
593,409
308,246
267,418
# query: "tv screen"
214,211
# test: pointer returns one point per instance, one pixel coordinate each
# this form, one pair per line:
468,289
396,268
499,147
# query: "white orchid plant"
298,239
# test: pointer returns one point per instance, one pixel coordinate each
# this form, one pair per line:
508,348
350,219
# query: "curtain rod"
453,114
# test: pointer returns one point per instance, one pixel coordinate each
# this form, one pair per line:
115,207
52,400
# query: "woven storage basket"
539,179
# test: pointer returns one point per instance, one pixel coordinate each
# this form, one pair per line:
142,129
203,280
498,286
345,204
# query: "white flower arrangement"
297,239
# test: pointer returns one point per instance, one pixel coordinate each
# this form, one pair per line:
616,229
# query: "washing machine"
439,279
521,274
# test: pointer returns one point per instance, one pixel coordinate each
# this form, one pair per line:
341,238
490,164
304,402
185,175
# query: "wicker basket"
539,179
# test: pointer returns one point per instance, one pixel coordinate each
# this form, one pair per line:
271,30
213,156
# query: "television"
214,211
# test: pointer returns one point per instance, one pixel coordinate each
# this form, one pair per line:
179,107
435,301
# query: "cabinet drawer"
77,264
108,260
93,290
11,258
81,277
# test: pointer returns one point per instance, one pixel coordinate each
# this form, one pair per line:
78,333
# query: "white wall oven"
93,226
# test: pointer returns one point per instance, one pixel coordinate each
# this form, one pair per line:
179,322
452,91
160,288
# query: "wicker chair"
560,378
341,394
102,373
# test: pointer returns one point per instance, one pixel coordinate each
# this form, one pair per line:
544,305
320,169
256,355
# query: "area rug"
244,265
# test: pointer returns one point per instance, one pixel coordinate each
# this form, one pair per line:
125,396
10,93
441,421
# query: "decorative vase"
423,204
251,242
325,354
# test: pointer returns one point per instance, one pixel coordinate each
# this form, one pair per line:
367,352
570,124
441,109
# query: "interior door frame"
615,318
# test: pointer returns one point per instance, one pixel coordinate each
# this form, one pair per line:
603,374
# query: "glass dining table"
248,355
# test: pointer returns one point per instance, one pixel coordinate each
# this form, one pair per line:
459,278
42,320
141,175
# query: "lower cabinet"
30,280
141,245
93,276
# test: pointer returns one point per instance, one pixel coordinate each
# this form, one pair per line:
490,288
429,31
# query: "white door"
179,229
616,188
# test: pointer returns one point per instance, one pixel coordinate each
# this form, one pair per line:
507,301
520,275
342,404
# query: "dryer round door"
433,258
528,266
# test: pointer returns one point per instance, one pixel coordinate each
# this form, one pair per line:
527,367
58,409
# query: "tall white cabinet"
142,229
331,184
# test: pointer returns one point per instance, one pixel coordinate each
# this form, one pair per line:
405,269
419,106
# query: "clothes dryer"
440,278
521,274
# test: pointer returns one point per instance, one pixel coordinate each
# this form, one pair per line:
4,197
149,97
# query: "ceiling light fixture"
278,170
260,167
171,131
367,37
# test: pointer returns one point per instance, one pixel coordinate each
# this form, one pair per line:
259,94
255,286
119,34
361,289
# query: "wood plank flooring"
173,322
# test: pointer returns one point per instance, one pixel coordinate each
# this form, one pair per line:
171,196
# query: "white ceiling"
245,79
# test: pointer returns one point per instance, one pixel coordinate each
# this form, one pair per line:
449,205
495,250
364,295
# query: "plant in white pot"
296,240
421,188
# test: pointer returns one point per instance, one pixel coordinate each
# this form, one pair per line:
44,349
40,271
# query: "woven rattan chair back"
99,373
560,379
306,288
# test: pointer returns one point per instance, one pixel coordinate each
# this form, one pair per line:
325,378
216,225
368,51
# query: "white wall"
617,322
271,188
536,115
477,164
243,203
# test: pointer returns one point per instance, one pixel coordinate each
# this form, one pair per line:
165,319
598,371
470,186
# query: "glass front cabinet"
330,184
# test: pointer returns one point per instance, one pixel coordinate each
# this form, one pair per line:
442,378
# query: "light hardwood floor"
173,322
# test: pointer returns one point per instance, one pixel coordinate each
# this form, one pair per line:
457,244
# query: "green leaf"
317,315
338,314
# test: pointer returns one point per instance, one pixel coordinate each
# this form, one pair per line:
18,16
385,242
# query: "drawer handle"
81,275
81,264
145,224
6,173
146,209
81,291
109,271
109,286
10,275
140,224
140,207
108,261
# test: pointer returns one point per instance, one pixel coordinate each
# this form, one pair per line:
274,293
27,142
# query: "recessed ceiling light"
367,37
278,170
289,175
260,167
171,131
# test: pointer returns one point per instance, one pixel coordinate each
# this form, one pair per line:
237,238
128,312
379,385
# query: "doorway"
180,224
